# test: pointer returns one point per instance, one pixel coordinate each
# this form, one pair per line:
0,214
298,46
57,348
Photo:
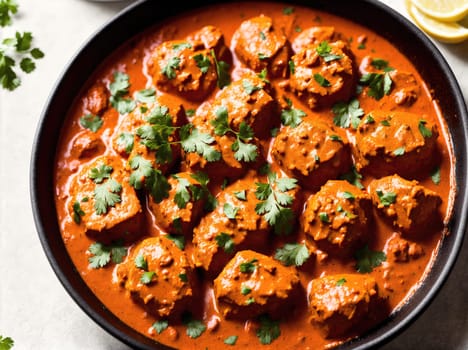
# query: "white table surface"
35,310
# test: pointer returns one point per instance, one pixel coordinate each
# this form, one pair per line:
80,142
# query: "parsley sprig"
275,203
347,114
243,151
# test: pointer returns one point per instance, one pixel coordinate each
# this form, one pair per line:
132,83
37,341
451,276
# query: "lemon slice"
443,10
447,32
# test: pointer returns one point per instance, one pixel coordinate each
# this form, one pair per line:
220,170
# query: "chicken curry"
254,175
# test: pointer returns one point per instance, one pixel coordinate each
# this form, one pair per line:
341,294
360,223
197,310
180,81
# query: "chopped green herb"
249,87
379,84
336,138
141,263
292,66
231,340
195,141
225,242
160,325
183,277
77,212
369,119
91,122
127,141
203,62
274,132
341,282
222,69
353,177
245,290
347,114
230,211
297,29
100,173
292,117
146,95
425,132
250,301
361,46
386,198
179,240
195,328
104,254
241,195
262,36
385,122
6,343
182,195
249,266
348,195
8,8
262,56
147,277
169,70
118,89
292,254
263,75
269,330
181,46
106,195
190,112
435,175
288,10
144,176
399,151
324,51
324,218
320,79
381,64
368,259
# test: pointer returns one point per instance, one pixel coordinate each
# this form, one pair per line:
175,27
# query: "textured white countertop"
35,310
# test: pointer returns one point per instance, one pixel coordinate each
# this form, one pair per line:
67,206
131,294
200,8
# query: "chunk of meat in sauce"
339,304
183,208
86,144
252,284
187,67
109,208
260,44
234,225
96,100
312,152
338,218
249,100
405,89
159,277
320,81
401,250
229,163
396,142
407,205
315,35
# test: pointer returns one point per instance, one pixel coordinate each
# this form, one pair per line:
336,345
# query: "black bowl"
143,14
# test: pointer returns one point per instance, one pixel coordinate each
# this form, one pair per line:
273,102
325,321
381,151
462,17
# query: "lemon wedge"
447,32
443,10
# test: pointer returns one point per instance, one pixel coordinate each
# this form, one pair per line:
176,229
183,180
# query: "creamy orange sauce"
396,280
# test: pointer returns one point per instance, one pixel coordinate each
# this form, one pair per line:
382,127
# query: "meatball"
338,218
159,277
259,44
315,35
102,200
248,100
401,250
323,74
407,205
252,284
182,209
311,152
86,144
394,142
221,155
339,304
141,133
96,100
232,226
187,67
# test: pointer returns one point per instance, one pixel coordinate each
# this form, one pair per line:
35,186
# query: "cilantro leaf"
292,254
347,114
160,325
106,195
145,176
320,79
77,212
169,70
182,195
181,46
425,132
27,65
118,89
6,343
230,211
249,87
241,195
8,77
435,175
353,177
288,10
231,340
147,277
386,198
103,254
195,328
7,9
127,141
193,140
146,95
341,282
269,330
91,122
225,242
222,70
324,51
23,41
179,240
100,173
368,259
381,64
203,62
379,84
399,151
292,117
37,53
248,266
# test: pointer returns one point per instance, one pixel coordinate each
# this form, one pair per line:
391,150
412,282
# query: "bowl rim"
44,147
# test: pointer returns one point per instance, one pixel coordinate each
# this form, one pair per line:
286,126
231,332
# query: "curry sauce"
254,175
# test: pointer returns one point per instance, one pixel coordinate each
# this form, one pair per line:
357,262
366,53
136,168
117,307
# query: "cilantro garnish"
292,117
147,277
106,195
241,195
185,192
249,87
248,266
368,259
6,343
399,151
118,89
230,211
381,64
91,122
347,114
320,79
231,340
386,198
243,151
341,282
169,70
77,212
324,218
379,84
245,290
195,328
181,46
183,277
104,254
353,177
179,240
222,70
127,141
292,66
262,56
288,10
193,140
269,330
292,254
100,173
145,176
160,325
263,75
275,202
324,51
141,263
225,241
203,62
425,132
435,175
146,95
7,9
